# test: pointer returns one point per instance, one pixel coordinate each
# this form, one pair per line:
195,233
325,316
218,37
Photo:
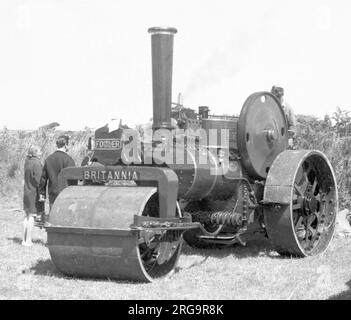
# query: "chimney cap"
162,30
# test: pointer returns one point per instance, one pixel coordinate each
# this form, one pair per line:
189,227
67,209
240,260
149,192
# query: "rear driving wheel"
301,203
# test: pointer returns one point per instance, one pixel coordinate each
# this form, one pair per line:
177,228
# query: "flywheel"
300,203
262,133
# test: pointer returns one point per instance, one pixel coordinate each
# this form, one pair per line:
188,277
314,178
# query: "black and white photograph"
175,155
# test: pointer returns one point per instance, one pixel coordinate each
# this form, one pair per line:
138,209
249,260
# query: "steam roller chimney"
162,63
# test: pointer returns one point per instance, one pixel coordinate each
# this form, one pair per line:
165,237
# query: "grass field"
252,272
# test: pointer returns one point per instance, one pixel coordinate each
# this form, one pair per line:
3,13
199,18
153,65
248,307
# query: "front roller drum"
301,203
89,234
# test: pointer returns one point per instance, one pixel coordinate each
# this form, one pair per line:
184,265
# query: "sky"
81,63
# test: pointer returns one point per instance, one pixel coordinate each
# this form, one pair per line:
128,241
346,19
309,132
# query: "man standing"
278,92
31,205
52,167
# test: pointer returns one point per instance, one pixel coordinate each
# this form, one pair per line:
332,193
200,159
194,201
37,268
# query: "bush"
13,150
334,140
12,169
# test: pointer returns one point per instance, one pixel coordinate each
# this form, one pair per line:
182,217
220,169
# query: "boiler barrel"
200,180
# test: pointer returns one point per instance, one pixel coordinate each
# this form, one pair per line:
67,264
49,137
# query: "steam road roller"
132,208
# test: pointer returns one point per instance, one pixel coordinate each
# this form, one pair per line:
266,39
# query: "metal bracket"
145,222
166,179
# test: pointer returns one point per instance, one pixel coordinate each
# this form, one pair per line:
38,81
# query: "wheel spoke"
303,187
300,228
305,174
314,185
301,181
296,206
310,233
300,190
317,215
310,220
299,175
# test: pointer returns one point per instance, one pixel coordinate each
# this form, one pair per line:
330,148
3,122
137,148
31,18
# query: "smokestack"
162,62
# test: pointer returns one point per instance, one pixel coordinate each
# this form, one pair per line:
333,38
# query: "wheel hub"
310,204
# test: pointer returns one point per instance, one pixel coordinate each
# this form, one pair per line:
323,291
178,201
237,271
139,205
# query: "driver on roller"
278,92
